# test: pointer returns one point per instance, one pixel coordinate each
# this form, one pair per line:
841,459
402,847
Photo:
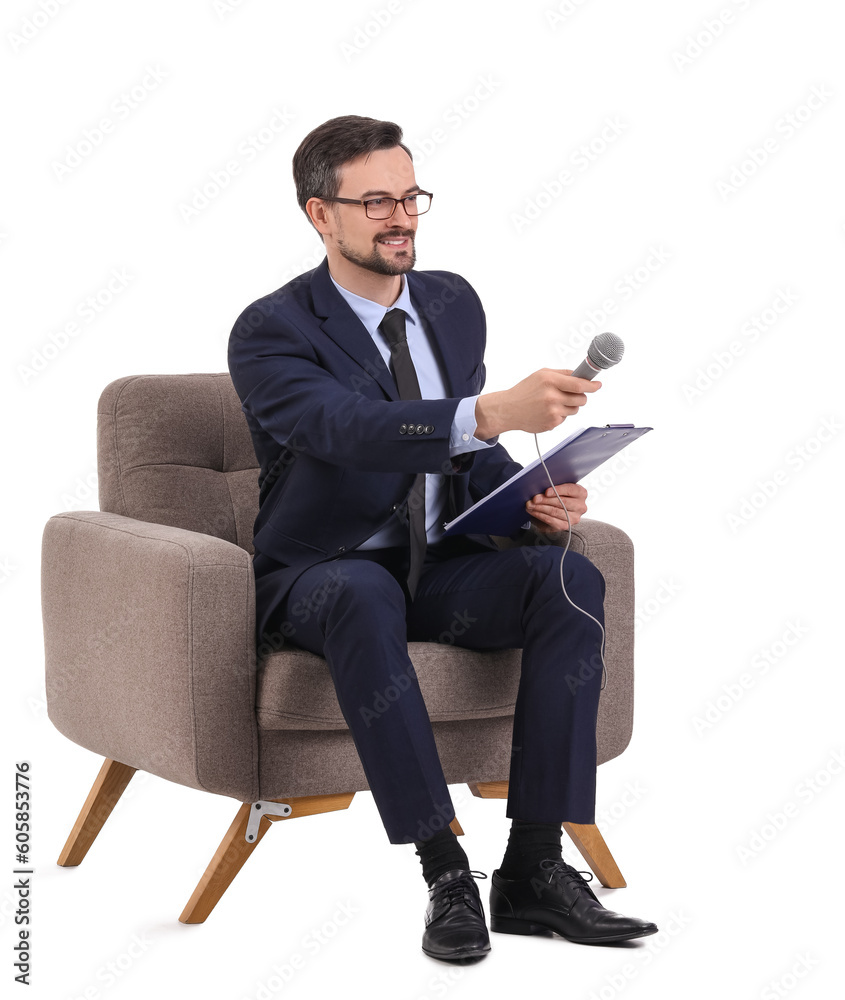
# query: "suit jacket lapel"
347,331
446,341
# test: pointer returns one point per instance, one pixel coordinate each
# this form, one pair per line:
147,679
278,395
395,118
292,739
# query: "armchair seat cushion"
295,688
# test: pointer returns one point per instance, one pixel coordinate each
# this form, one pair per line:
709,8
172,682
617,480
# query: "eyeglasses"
383,208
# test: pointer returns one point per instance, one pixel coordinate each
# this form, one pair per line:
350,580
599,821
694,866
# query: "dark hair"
321,154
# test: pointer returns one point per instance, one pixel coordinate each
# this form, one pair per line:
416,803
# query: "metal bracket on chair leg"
263,808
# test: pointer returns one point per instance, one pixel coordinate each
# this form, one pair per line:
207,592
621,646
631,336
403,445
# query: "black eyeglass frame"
358,201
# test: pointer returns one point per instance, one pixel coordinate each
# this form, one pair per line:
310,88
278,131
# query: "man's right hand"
538,403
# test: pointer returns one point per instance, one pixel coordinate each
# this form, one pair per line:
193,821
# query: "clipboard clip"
618,425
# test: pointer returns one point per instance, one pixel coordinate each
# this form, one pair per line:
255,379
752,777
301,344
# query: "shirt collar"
372,313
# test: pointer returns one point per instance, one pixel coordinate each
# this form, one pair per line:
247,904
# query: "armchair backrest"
176,449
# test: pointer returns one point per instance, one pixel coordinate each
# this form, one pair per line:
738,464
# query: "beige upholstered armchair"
148,611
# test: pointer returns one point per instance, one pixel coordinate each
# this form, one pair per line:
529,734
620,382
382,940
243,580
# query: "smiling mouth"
397,242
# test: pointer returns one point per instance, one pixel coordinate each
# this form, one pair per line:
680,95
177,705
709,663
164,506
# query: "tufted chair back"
176,449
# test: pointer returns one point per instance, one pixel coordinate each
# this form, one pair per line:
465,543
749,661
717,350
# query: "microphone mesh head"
606,350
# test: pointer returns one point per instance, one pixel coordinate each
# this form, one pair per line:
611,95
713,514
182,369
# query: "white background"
728,832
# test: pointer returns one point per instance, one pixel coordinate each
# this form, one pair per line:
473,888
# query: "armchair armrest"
612,552
149,640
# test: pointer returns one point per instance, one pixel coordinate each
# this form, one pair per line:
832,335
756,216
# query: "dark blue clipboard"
503,511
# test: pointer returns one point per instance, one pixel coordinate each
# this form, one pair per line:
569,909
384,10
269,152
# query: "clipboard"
503,512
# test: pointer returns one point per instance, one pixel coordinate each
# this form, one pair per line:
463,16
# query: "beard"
374,261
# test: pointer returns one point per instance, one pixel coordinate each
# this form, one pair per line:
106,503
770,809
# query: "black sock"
528,844
440,853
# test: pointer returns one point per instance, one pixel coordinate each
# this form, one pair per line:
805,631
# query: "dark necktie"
393,328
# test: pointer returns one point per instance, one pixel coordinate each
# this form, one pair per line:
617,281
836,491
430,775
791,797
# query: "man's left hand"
546,512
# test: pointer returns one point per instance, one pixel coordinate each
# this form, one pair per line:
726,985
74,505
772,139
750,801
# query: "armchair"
149,614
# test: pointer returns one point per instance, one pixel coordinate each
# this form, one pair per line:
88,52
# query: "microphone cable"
563,556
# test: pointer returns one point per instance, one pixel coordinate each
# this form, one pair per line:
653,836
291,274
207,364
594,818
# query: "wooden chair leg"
106,790
589,841
489,789
585,836
234,850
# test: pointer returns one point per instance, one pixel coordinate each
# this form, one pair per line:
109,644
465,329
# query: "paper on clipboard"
502,512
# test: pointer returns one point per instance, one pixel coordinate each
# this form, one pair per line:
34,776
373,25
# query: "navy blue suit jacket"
337,460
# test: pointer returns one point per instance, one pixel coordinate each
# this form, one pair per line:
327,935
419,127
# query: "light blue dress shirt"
432,386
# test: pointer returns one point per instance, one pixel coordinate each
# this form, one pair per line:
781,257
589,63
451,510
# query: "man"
361,381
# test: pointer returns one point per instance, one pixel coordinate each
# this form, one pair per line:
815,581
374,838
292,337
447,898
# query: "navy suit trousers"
355,611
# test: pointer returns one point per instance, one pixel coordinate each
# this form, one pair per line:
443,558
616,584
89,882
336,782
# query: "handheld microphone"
604,351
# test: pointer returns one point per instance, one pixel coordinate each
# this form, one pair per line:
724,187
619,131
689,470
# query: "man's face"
385,246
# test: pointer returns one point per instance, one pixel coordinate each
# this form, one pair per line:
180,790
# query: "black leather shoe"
555,897
454,920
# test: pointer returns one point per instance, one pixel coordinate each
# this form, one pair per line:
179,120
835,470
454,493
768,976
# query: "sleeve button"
465,437
429,428
411,428
403,428
420,428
